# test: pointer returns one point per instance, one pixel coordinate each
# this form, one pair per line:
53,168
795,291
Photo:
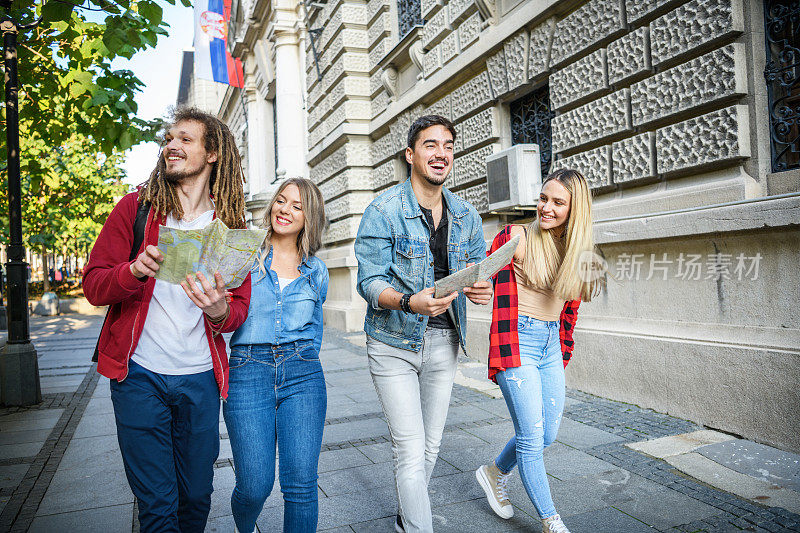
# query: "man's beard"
177,177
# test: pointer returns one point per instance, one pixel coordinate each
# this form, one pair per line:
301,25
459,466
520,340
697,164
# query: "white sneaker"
553,525
493,483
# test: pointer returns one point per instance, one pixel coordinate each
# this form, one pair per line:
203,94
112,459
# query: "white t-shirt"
283,282
174,338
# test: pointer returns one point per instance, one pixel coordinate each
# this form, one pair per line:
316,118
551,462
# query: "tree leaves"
77,113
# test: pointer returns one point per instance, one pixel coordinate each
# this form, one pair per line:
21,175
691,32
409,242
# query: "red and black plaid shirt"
503,336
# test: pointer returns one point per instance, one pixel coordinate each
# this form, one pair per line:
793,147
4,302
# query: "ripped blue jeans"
534,394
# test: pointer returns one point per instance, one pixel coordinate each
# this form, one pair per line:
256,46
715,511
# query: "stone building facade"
662,104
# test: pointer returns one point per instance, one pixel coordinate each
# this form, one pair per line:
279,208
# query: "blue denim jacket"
393,252
294,314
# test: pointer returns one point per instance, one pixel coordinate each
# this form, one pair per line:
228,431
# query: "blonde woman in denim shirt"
277,390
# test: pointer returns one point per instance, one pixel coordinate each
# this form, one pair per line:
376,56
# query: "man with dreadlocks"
161,345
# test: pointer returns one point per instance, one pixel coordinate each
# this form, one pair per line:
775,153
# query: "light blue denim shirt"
393,252
293,314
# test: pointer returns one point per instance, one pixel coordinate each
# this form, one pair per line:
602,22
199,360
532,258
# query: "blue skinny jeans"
277,399
534,394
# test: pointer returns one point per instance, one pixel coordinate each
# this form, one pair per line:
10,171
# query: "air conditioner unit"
514,177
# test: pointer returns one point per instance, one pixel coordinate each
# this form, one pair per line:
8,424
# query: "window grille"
409,15
530,123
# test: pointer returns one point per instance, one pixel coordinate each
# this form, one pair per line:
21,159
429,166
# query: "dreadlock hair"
227,177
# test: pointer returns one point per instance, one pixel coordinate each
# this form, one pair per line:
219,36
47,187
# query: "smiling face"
553,207
287,216
185,153
432,156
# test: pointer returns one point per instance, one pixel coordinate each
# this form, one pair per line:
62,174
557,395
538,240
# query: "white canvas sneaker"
553,525
493,482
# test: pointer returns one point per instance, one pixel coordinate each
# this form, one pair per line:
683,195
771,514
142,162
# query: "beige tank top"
542,304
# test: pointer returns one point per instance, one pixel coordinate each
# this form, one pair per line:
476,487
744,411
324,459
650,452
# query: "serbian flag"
212,61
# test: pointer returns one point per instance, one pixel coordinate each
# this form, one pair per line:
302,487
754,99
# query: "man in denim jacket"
411,235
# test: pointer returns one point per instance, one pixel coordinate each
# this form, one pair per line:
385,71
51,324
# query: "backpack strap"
138,228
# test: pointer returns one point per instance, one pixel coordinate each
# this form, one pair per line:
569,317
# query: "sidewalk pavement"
614,468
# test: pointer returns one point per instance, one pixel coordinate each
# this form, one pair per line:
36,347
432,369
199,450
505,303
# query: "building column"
289,100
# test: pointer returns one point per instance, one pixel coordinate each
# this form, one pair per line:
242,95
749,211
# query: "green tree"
77,112
66,207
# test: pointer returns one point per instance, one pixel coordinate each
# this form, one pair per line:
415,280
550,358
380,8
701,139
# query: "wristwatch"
405,303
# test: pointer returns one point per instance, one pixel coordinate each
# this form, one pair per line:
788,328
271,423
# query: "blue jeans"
276,397
168,432
534,394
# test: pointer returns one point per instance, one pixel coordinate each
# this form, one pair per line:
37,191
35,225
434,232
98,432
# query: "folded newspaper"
487,268
208,250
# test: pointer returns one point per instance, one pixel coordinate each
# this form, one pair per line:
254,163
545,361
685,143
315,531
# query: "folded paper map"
208,250
487,268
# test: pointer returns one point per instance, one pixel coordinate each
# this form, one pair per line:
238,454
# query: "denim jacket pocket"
411,255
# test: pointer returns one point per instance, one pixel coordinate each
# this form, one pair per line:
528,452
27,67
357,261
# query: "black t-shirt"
441,263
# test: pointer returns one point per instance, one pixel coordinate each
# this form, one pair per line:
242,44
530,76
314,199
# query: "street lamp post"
19,367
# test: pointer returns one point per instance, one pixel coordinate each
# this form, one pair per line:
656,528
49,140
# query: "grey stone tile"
113,519
757,460
495,406
74,490
343,529
99,406
96,425
224,477
103,389
466,413
365,395
454,488
344,509
470,516
11,475
378,453
24,449
459,439
23,423
565,463
360,429
607,520
33,414
220,524
352,409
582,436
92,454
340,459
468,459
660,506
495,433
20,437
356,479
225,451
380,525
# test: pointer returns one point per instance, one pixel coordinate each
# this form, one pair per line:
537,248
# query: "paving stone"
113,519
564,463
21,437
72,490
11,475
470,516
24,449
220,524
96,425
356,479
607,520
20,422
377,453
344,509
341,459
655,504
99,406
582,436
359,429
757,460
496,434
92,454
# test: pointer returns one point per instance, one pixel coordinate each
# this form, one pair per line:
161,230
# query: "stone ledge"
770,212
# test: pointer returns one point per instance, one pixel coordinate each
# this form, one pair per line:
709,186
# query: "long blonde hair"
544,266
309,240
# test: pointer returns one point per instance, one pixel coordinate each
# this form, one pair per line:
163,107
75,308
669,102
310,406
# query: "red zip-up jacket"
107,280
